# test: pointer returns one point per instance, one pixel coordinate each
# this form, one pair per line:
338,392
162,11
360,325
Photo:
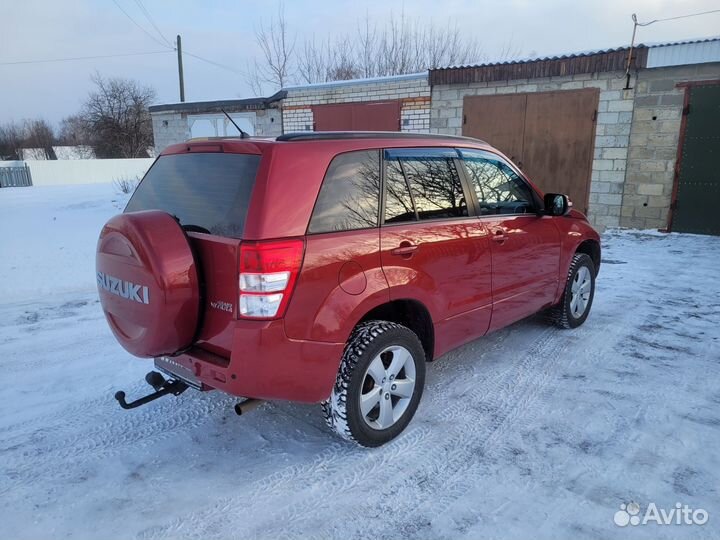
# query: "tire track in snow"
516,396
463,480
345,467
340,466
140,428
357,474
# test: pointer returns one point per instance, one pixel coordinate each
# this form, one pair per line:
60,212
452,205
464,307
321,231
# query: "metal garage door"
697,188
368,116
550,135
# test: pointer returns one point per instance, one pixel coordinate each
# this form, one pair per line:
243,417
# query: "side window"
499,189
350,194
398,202
422,186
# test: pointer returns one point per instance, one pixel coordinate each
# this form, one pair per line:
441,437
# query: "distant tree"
396,47
277,48
116,119
74,132
39,134
11,141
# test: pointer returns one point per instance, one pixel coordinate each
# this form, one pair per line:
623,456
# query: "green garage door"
697,203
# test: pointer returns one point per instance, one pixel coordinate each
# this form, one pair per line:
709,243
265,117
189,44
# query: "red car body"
455,279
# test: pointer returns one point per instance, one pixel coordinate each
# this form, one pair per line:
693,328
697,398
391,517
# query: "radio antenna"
243,134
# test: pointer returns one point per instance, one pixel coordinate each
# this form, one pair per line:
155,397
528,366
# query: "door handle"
499,236
405,250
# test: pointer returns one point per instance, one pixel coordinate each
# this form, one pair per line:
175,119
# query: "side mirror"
556,204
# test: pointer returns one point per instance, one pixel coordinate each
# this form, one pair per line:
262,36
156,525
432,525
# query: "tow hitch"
162,387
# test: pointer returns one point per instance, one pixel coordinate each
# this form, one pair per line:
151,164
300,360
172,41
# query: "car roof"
337,141
355,135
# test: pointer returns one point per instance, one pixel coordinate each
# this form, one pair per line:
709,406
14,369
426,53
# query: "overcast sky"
223,32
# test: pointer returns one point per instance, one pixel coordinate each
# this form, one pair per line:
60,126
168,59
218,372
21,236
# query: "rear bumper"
266,364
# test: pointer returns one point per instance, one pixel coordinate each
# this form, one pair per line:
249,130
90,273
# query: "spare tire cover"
148,283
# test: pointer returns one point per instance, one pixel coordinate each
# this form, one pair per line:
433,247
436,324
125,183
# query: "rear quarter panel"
287,184
341,280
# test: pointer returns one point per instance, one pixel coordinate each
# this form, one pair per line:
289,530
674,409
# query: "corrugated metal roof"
684,52
540,58
699,41
607,60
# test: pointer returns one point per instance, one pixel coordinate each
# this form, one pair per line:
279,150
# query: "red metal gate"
365,116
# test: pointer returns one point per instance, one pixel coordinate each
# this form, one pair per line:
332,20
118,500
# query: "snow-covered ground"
531,432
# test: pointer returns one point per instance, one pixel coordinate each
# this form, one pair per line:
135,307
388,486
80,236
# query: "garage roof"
230,105
663,54
681,53
551,66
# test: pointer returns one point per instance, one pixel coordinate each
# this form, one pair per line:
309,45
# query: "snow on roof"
369,80
61,152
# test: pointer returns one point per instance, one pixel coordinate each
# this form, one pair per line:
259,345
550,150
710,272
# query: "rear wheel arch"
412,314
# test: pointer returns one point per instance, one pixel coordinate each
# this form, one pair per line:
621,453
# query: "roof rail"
343,135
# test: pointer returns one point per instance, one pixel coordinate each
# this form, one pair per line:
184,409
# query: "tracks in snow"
466,428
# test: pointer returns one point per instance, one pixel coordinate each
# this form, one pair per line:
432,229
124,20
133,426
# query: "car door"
525,244
432,250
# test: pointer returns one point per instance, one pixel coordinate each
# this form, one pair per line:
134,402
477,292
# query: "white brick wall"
173,127
414,93
611,136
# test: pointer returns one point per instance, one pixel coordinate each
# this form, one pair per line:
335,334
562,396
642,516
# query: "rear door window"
350,194
207,192
423,184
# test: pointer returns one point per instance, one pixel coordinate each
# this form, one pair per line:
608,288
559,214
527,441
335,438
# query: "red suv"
329,267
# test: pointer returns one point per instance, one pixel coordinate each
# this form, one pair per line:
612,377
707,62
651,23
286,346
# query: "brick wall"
654,139
169,128
412,90
611,136
173,127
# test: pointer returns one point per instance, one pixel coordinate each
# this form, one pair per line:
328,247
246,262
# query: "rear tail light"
268,271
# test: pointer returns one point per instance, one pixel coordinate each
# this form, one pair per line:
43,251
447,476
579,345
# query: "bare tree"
116,116
74,131
342,64
367,38
400,46
11,141
312,63
277,49
39,134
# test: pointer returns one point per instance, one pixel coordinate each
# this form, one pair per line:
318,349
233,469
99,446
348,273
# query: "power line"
71,59
152,22
675,18
139,26
223,66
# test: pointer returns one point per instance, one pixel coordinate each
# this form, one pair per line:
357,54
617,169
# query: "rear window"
207,192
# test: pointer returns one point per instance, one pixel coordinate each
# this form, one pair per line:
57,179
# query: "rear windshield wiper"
194,228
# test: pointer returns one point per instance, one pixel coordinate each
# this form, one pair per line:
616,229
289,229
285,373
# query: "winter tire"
577,298
379,384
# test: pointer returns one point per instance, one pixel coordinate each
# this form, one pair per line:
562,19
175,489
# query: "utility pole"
180,69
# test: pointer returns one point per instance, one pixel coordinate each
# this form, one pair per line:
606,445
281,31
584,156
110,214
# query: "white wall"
86,171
